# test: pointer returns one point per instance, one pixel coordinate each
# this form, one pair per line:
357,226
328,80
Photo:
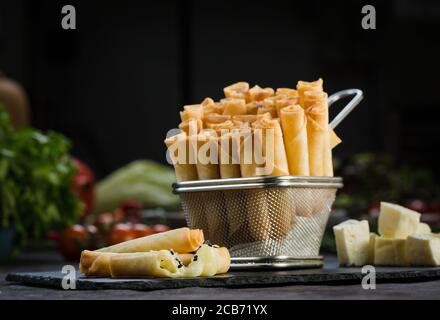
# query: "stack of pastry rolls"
175,253
255,132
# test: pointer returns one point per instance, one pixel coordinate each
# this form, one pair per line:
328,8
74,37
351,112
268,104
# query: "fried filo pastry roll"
208,167
232,106
182,152
182,240
291,93
273,150
318,137
97,264
207,261
237,90
207,155
256,93
215,118
191,112
294,126
303,86
210,106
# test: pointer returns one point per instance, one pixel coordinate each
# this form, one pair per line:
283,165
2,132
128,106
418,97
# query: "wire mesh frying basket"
266,222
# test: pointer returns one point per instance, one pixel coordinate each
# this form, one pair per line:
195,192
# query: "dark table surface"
49,260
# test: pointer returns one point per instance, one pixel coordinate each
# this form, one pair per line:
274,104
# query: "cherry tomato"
141,230
73,240
119,233
158,228
118,215
104,222
83,185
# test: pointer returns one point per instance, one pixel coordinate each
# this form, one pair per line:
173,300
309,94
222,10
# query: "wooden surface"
49,261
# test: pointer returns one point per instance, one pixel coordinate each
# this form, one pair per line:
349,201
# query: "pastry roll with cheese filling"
207,261
294,126
182,240
97,264
183,156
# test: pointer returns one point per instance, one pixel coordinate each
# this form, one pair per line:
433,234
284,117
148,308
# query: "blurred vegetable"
15,101
119,233
36,175
83,185
144,180
75,239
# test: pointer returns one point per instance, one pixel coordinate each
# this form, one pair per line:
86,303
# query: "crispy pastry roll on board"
294,126
207,261
180,148
182,240
97,264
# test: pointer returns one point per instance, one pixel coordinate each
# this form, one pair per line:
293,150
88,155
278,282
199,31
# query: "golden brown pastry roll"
284,102
318,137
294,126
272,145
232,106
221,127
183,156
291,93
182,240
230,155
216,118
194,111
271,109
256,93
249,118
191,126
252,107
209,106
334,139
303,86
311,98
207,155
237,90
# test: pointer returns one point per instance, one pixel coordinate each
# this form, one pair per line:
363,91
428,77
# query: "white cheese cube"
389,252
423,250
396,221
371,246
423,228
352,239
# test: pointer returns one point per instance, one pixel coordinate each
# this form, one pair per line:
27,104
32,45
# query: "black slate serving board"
329,274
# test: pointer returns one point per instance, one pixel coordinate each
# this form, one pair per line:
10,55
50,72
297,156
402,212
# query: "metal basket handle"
358,96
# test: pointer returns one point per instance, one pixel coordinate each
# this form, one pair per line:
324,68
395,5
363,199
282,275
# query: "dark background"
115,85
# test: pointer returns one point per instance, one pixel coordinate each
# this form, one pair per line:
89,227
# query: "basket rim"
257,183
